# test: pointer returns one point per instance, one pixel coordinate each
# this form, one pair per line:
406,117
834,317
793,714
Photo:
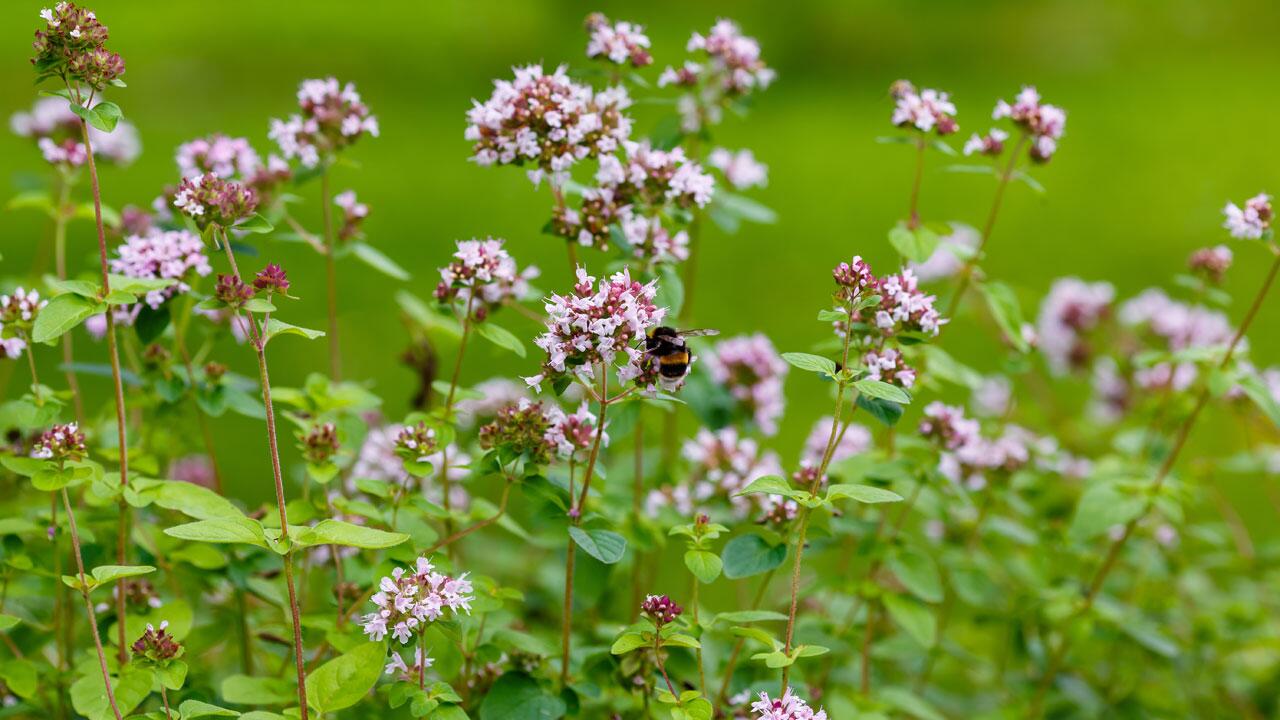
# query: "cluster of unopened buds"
520,427
1211,263
231,291
408,601
210,200
232,158
162,255
1252,221
1042,123
71,45
661,609
787,707
1072,309
547,121
414,443
156,644
597,324
925,110
482,277
354,213
272,279
332,117
60,443
619,43
320,443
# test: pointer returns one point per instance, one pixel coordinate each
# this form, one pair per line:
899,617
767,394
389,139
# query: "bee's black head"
662,331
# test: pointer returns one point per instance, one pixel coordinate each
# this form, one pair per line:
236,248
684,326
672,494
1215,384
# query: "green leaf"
1005,308
679,640
918,573
750,616
196,709
104,116
338,532
768,485
276,327
917,620
137,286
104,574
627,642
604,545
8,621
1102,506
21,676
221,530
745,208
885,411
670,290
172,674
375,259
704,565
883,391
910,703
255,224
812,363
62,314
750,554
501,337
869,494
346,679
516,696
89,694
915,245
190,499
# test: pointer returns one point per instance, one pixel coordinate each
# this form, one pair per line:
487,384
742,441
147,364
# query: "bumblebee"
666,347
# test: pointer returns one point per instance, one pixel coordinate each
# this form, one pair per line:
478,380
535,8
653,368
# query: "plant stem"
422,666
448,408
913,217
114,351
164,698
480,524
637,491
575,517
662,666
259,343
702,675
60,264
88,604
966,272
331,274
1180,440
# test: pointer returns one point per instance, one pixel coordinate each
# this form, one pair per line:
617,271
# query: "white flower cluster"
408,601
596,325
483,269
620,43
1044,123
570,433
220,155
1072,308
787,707
162,255
548,121
56,131
17,312
740,168
655,176
1251,221
926,110
332,117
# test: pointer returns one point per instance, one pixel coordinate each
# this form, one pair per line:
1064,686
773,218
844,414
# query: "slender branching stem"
1058,657
88,604
448,409
575,518
913,216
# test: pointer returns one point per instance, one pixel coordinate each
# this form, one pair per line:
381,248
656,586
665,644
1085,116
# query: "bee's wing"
703,332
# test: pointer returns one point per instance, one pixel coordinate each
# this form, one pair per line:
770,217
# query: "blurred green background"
1172,111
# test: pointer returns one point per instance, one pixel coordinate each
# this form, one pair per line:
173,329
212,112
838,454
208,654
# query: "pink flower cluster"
60,442
925,110
211,200
1251,221
724,463
661,609
56,131
408,601
220,155
903,306
619,43
946,259
753,372
787,707
653,177
596,324
483,276
889,366
740,168
571,433
990,144
162,255
651,243
966,455
732,58
17,313
547,121
332,118
1043,123
1068,313
72,45
354,213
